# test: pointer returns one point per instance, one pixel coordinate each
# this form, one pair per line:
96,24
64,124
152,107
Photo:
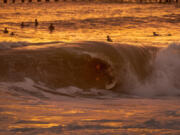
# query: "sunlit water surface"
125,23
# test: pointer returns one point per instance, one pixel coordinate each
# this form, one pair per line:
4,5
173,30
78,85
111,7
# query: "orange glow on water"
113,116
125,23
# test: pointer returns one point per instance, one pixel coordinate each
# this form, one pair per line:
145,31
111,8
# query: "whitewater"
72,81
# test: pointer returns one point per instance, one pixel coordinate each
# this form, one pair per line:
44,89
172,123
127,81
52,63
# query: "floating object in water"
12,34
36,23
5,30
169,35
22,25
51,28
109,39
155,34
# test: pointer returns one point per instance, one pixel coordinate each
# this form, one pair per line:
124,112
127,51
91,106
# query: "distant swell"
81,67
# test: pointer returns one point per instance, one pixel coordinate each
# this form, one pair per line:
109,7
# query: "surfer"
51,28
12,34
22,25
109,39
36,23
169,34
155,34
5,30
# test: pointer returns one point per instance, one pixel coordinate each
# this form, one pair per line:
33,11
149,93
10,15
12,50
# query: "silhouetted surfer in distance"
5,30
169,35
51,28
155,34
22,25
109,39
36,23
12,34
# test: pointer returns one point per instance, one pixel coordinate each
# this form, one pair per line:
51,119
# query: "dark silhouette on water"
22,25
169,34
109,39
5,30
12,34
155,34
36,23
51,28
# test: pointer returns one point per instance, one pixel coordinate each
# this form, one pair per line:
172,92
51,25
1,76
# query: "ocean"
72,81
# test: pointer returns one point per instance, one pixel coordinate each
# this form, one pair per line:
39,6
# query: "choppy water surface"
89,116
72,81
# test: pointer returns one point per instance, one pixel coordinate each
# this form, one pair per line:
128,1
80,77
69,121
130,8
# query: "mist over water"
72,81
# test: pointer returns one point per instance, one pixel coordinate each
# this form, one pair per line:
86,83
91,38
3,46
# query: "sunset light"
89,67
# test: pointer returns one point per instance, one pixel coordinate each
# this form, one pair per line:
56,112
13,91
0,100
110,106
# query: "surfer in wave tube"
108,72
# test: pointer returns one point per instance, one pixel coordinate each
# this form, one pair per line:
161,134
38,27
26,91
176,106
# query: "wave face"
81,67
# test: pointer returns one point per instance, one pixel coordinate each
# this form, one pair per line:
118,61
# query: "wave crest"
122,69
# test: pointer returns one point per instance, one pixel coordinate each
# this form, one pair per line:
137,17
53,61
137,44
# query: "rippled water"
89,116
125,23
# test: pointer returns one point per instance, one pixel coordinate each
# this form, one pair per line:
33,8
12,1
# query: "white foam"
165,79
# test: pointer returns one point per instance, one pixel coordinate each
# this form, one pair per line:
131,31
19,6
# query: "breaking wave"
91,69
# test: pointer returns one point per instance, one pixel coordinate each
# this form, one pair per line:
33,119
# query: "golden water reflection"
125,23
139,116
